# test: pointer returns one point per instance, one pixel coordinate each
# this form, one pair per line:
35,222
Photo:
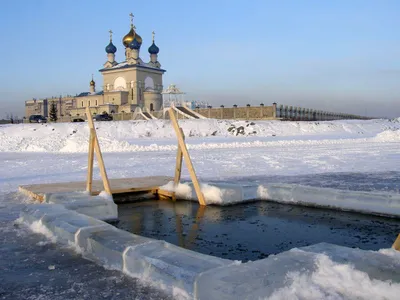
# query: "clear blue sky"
339,55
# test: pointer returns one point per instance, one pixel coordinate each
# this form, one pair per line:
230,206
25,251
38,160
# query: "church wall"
154,88
110,77
129,75
117,98
152,98
94,100
133,81
252,112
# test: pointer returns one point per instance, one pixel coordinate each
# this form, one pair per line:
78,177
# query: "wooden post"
188,161
90,162
99,156
178,168
396,244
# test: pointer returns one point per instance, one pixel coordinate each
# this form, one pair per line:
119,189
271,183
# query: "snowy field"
348,155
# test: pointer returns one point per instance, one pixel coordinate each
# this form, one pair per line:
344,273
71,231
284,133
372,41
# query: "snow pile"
221,194
333,280
388,136
124,136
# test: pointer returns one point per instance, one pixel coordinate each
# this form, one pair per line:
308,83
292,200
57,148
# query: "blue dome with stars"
135,44
111,48
153,49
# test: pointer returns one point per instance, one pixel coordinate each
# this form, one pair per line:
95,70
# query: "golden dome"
130,36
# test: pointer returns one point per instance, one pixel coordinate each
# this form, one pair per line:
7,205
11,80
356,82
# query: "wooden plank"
120,186
396,244
178,167
89,179
31,194
165,193
99,156
186,155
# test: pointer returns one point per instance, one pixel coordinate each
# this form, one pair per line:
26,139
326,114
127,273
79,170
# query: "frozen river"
349,155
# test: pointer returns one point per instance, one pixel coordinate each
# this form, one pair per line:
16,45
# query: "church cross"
110,34
131,15
153,34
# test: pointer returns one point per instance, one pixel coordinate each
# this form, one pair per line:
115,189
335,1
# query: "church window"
89,103
149,83
82,104
151,107
96,102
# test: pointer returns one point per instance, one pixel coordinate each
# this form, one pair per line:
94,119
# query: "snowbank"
388,136
131,136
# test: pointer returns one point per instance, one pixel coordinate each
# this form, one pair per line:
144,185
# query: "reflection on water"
254,230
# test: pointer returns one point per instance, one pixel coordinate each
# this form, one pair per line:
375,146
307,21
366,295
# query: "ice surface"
277,148
380,203
322,271
99,207
170,266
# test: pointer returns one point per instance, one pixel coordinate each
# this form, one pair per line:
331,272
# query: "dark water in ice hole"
254,230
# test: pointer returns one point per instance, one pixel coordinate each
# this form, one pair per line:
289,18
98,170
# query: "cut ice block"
106,245
252,280
380,203
260,279
94,206
376,264
64,196
35,212
63,223
162,263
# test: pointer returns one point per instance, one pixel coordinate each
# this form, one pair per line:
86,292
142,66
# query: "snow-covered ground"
42,153
314,153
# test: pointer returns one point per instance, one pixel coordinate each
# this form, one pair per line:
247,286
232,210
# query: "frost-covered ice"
333,280
379,203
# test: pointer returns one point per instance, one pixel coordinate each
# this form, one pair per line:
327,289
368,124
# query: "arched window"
151,107
82,104
120,84
89,103
96,102
149,83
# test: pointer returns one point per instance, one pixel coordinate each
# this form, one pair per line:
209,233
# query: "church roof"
125,65
85,94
